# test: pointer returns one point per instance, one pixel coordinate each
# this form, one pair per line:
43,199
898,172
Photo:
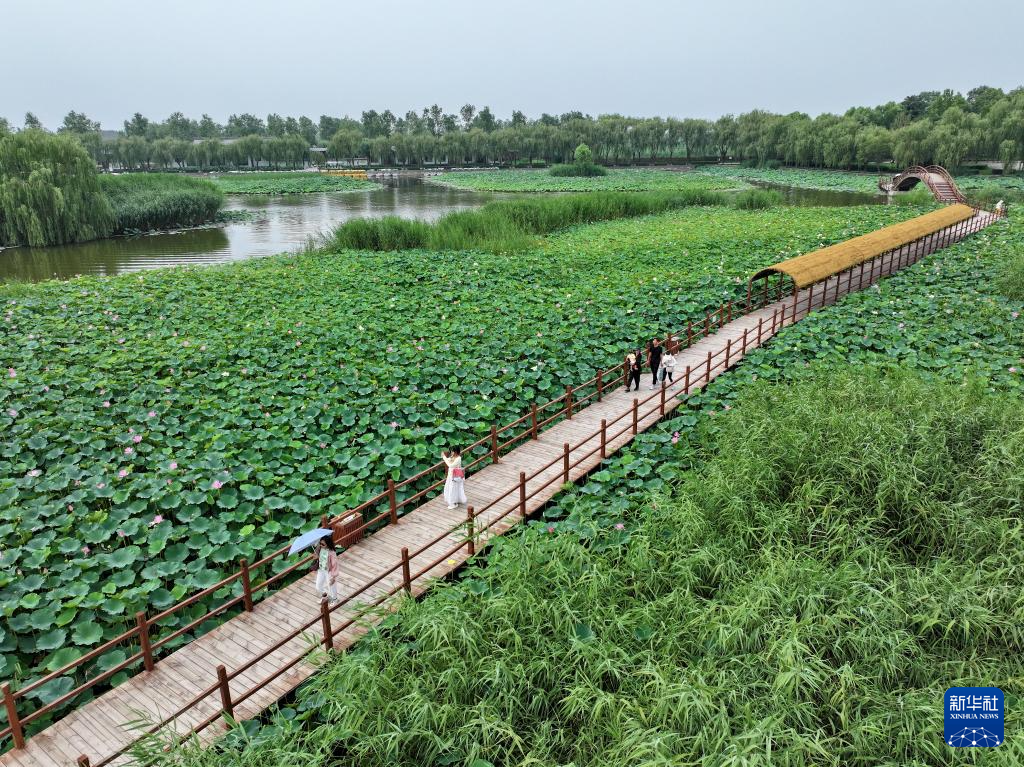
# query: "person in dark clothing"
633,367
654,352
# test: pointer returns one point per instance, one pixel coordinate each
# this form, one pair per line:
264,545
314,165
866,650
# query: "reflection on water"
794,195
284,223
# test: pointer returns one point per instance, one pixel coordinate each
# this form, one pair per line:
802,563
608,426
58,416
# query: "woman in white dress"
455,484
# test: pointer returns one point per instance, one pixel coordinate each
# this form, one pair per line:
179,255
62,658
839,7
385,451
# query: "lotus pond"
158,427
288,182
617,180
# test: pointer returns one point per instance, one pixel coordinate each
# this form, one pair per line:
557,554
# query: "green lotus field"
158,427
617,180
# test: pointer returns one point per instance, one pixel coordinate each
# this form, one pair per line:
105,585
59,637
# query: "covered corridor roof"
820,264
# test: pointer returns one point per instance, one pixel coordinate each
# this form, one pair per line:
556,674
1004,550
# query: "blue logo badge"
974,716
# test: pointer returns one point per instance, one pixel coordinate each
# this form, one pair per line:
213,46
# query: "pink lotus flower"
172,465
394,388
85,550
123,473
551,529
129,450
137,439
46,388
323,445
675,437
100,485
217,484
71,507
1013,370
121,534
393,424
12,413
619,526
35,473
106,403
11,373
151,414
1015,315
156,520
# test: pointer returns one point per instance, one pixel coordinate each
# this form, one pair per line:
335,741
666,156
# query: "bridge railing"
525,428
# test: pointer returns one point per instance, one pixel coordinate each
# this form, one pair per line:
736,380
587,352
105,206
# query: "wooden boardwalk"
98,729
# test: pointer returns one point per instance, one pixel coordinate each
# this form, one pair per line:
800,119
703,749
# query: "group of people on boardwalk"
660,360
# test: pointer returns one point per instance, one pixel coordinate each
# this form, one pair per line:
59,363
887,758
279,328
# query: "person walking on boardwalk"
668,364
455,484
633,368
326,569
654,352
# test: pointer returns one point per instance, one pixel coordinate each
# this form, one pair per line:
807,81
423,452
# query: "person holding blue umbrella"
326,559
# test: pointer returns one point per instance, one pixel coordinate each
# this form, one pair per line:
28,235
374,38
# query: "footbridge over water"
936,178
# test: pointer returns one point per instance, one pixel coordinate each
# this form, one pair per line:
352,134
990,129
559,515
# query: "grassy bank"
617,180
209,414
513,225
289,183
145,201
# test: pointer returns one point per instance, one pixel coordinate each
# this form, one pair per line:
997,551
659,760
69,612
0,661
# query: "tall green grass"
851,547
144,201
509,225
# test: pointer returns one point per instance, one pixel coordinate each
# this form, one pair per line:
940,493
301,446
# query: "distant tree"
485,120
546,119
245,125
77,122
328,127
468,112
916,106
450,123
31,121
573,115
291,126
583,155
944,101
5,127
275,125
307,129
518,119
345,144
208,128
180,127
874,145
137,126
981,99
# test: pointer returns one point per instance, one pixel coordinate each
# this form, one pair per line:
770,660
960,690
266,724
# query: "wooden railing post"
568,402
730,311
604,438
728,351
636,413
522,494
406,576
494,443
686,381
392,501
470,525
565,463
760,327
775,318
533,420
147,650
744,349
689,333
83,761
625,373
600,388
325,621
661,409
810,298
17,735
243,567
749,283
225,692
707,378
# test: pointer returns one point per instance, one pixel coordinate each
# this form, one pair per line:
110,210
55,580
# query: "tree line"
945,127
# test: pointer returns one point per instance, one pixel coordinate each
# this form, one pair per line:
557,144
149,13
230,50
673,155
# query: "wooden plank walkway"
99,729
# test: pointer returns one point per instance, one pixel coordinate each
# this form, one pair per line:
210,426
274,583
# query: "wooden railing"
696,377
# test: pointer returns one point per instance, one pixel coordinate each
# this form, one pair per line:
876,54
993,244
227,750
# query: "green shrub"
757,199
145,201
1010,280
506,226
49,193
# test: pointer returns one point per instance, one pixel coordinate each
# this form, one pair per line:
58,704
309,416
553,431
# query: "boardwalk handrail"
770,293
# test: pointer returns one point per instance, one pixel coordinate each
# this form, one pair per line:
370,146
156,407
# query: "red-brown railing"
696,377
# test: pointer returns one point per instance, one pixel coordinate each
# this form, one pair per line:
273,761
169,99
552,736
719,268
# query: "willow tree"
49,192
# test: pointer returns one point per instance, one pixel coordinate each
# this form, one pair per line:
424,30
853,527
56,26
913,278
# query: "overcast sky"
111,58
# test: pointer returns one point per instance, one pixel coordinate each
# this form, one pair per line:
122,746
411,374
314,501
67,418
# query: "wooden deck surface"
98,729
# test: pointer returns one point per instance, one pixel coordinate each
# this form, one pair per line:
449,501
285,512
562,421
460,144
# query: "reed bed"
146,201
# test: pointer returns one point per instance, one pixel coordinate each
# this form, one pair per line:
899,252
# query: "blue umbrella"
308,539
